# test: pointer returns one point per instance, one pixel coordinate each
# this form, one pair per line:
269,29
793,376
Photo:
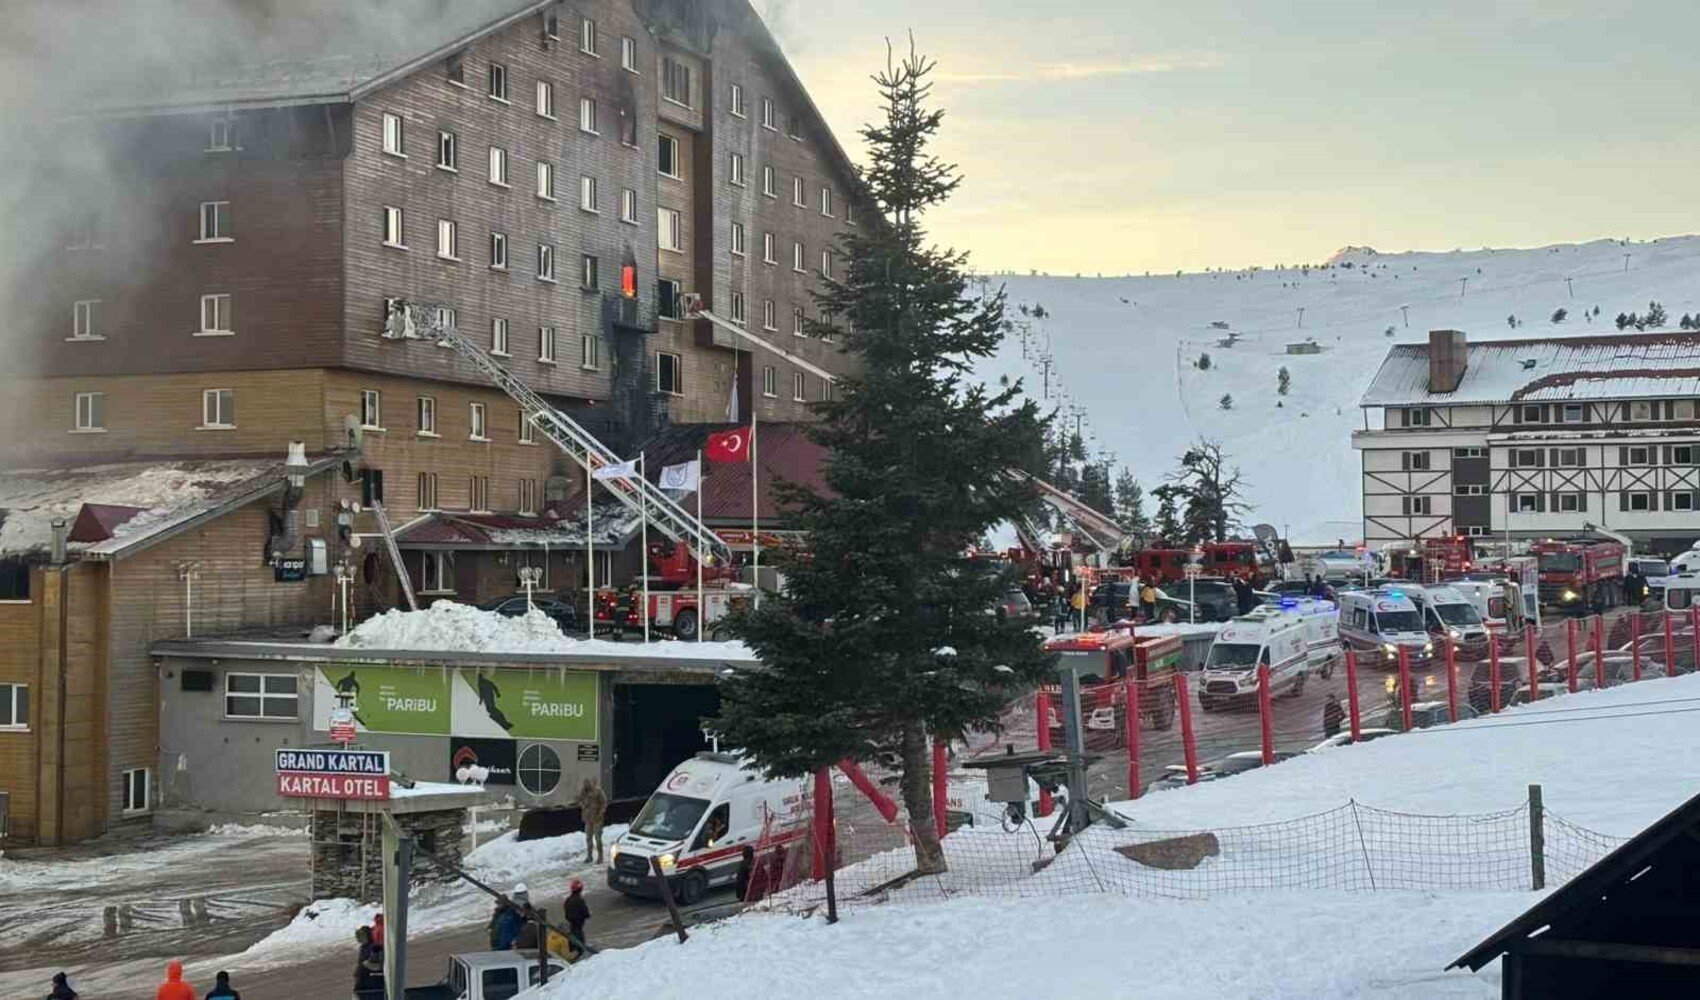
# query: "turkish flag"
729,446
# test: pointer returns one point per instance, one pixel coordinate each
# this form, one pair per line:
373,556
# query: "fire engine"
1229,560
673,594
1106,658
1446,556
1580,574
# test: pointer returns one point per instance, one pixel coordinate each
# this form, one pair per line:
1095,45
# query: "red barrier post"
1266,712
1405,687
1600,680
822,822
1452,677
1352,693
1635,644
1493,675
1534,667
1693,636
1042,707
1670,648
1570,640
1132,722
940,787
1188,743
859,778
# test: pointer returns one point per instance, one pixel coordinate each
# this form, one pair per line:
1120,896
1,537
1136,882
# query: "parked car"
1657,571
1174,776
1015,604
1427,713
1215,597
481,975
564,615
1112,600
1344,737
1273,593
1340,564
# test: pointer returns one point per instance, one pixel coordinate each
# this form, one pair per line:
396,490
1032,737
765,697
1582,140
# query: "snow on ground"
1125,350
17,875
544,865
461,628
1322,944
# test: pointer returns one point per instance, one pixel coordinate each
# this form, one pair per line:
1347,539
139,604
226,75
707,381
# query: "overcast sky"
1123,136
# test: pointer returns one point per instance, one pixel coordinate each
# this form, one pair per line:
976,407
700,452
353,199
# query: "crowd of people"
175,987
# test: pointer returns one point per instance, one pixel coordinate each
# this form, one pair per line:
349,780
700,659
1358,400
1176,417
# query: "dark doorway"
655,727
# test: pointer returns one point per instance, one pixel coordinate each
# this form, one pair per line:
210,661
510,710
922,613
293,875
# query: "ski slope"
1123,350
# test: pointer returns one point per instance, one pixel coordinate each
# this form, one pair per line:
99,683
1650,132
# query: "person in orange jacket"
174,988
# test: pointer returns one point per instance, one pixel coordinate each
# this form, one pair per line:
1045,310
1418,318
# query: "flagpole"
589,549
643,563
702,547
755,492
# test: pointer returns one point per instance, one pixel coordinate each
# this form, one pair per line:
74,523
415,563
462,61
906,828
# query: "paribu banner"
489,702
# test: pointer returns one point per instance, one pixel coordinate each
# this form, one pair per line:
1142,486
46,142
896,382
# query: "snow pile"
1271,945
1126,350
460,628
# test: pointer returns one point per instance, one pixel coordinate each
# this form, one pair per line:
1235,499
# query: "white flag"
732,402
683,477
617,470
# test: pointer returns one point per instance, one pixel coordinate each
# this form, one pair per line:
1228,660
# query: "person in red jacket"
174,988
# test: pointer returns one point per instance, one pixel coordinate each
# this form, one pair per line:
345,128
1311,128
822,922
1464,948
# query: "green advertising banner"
539,704
386,699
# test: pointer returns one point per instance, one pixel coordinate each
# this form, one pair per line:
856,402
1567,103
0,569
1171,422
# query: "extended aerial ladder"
1099,528
417,321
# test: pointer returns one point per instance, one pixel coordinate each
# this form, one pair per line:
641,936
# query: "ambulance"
1321,620
1447,611
698,822
1267,637
1378,623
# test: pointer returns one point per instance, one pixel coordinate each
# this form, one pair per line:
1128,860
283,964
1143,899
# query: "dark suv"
564,615
1215,597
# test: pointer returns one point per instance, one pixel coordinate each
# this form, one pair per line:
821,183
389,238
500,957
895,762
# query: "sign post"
333,774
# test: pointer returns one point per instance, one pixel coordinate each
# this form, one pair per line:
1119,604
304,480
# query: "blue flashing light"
1396,593
1289,602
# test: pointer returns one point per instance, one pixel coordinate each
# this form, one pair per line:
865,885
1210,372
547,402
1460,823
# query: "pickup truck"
480,975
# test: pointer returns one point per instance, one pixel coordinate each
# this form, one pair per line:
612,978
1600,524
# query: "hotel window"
738,239
769,315
1682,409
137,790
797,258
767,183
475,421
426,410
1569,503
1637,501
527,496
527,429
1414,417
1573,413
667,155
826,201
587,115
1526,458
826,263
14,707
261,696
669,373
545,262
371,409
215,314
1568,458
735,169
546,344
675,81
448,151
797,329
738,100
769,381
215,222
1529,503
545,99
448,242
767,251
426,493
394,228
1470,490
738,314
589,351
1415,505
667,292
587,36
767,114
1414,461
1531,414
797,191
499,251
1469,453
587,196
438,568
1680,501
499,337
393,135
628,206
1642,410
1681,454
499,82
799,382
478,493
218,136
88,411
590,277
628,54
218,408
498,166
669,229
1640,455
545,180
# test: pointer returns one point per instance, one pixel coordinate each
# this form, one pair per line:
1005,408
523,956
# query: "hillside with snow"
1125,351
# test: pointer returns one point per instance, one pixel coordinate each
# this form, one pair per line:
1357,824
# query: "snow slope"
1124,350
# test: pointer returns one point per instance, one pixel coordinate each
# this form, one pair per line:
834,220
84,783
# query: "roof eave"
418,63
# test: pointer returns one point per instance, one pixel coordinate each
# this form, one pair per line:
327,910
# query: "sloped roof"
615,527
1629,366
346,52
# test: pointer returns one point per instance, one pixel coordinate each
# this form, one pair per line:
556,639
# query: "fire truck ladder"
395,555
1099,528
636,492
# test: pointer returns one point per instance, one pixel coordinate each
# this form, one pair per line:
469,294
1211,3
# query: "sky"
1132,136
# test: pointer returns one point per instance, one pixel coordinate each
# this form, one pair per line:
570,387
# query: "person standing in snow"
512,917
593,809
174,988
221,989
369,964
61,988
577,912
1332,715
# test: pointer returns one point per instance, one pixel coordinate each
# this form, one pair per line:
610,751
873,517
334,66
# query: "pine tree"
1283,380
1227,401
1167,524
917,465
1130,504
1095,491
1211,492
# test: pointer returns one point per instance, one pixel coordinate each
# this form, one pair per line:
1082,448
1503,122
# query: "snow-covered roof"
1628,366
615,526
448,626
124,504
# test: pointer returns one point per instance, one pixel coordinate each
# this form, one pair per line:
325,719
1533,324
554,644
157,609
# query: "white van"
698,823
1321,620
1268,637
1448,612
1377,623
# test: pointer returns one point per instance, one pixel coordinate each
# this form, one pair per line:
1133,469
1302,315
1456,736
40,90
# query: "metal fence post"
1635,644
1570,642
1266,713
1529,637
1537,840
1493,673
1189,744
1451,678
1670,648
1600,680
1131,719
1352,693
1042,708
1405,688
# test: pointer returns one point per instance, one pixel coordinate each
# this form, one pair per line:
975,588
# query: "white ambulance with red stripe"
698,822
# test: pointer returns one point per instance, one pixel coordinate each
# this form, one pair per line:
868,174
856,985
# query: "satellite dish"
353,435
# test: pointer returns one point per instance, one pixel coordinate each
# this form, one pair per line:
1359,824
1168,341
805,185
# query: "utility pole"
1301,317
1045,363
1568,288
1462,284
1405,312
1626,263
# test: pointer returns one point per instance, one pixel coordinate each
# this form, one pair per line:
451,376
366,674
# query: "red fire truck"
673,594
1580,574
1106,658
1220,559
1446,557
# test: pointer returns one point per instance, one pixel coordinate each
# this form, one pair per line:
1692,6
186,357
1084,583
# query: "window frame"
770,382
587,116
219,132
95,412
665,141
128,803
498,174
587,40
589,195
498,250
769,315
499,336
394,135
735,102
425,417
220,222
218,398
736,238
667,305
426,497
477,421
263,696
589,352
448,151
739,308
448,240
735,169
395,227
496,77
799,257
769,247
590,272
669,229
546,346
826,201
545,180
767,116
546,262
675,363
799,193
545,101
628,54
674,71
223,315
769,181
14,696
629,206
799,387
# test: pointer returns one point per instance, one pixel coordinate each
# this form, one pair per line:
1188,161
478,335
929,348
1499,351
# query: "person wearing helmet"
577,911
511,918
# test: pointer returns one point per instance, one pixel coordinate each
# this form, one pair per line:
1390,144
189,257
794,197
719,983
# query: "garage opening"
655,727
